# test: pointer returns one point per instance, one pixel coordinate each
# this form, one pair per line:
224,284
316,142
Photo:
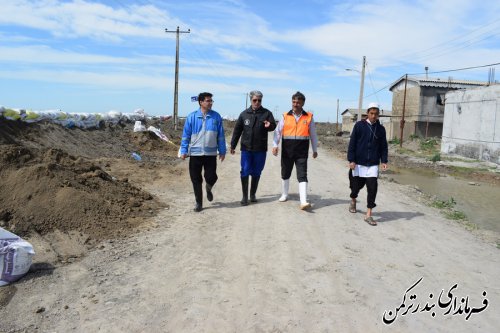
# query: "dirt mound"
54,178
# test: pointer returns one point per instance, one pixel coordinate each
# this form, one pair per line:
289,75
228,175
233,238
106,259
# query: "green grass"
405,151
436,157
466,170
395,141
455,215
428,144
446,208
441,204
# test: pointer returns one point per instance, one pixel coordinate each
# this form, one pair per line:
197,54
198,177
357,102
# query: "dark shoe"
198,195
253,188
244,190
210,195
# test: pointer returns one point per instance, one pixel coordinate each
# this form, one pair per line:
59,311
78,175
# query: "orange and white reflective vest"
296,135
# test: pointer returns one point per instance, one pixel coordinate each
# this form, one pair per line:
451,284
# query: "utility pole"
402,122
176,87
361,89
337,124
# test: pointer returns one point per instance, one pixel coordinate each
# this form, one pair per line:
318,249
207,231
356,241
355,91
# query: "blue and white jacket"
203,136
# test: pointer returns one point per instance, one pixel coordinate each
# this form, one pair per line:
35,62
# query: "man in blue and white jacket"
202,137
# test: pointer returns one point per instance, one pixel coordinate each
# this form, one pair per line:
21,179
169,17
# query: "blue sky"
97,56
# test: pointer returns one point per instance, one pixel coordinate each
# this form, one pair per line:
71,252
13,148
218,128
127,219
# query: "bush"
456,215
428,144
444,204
436,157
395,141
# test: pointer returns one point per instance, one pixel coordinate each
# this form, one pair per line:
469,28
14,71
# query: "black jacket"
368,144
250,127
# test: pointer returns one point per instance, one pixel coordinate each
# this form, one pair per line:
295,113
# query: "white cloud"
234,56
41,54
237,72
392,32
80,18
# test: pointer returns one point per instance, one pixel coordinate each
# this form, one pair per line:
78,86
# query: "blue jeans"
252,163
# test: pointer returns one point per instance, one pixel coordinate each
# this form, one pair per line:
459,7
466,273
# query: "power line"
437,72
444,44
455,48
458,69
371,82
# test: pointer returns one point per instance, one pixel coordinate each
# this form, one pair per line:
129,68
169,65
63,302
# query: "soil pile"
55,178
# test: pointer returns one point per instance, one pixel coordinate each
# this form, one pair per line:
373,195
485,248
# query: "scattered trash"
136,156
141,113
15,257
139,127
158,133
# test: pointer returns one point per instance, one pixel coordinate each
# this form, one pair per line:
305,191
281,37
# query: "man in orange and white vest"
297,129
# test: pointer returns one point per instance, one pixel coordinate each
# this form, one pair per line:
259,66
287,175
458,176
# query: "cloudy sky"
97,56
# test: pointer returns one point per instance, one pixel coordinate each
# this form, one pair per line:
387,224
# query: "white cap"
373,105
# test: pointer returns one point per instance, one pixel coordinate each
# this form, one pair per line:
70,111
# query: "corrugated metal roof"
441,83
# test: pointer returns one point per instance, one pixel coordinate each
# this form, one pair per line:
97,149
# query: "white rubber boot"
303,196
285,185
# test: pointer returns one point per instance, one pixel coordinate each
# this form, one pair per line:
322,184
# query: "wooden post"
402,123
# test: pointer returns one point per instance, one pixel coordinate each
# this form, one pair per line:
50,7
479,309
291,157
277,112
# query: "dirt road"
270,267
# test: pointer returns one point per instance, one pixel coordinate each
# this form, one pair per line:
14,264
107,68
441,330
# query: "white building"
471,124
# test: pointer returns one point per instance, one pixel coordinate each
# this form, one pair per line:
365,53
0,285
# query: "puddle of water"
479,203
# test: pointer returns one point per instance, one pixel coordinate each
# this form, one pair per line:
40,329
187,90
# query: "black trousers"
197,164
300,165
357,183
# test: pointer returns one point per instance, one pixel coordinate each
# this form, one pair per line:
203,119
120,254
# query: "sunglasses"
256,100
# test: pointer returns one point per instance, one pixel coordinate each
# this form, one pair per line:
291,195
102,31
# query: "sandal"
352,207
370,221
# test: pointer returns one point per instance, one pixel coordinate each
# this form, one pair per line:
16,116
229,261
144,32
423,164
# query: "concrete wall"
471,126
424,111
347,123
412,107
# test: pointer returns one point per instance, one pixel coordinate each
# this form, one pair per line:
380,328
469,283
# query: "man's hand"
266,123
183,156
315,154
222,157
352,165
275,151
231,151
384,166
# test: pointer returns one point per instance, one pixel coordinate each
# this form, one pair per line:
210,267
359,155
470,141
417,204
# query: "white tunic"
365,171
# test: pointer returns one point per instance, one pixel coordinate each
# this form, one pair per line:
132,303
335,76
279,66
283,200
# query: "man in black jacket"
252,126
367,149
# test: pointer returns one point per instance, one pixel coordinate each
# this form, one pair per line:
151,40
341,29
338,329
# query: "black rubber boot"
210,195
198,195
244,189
253,188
